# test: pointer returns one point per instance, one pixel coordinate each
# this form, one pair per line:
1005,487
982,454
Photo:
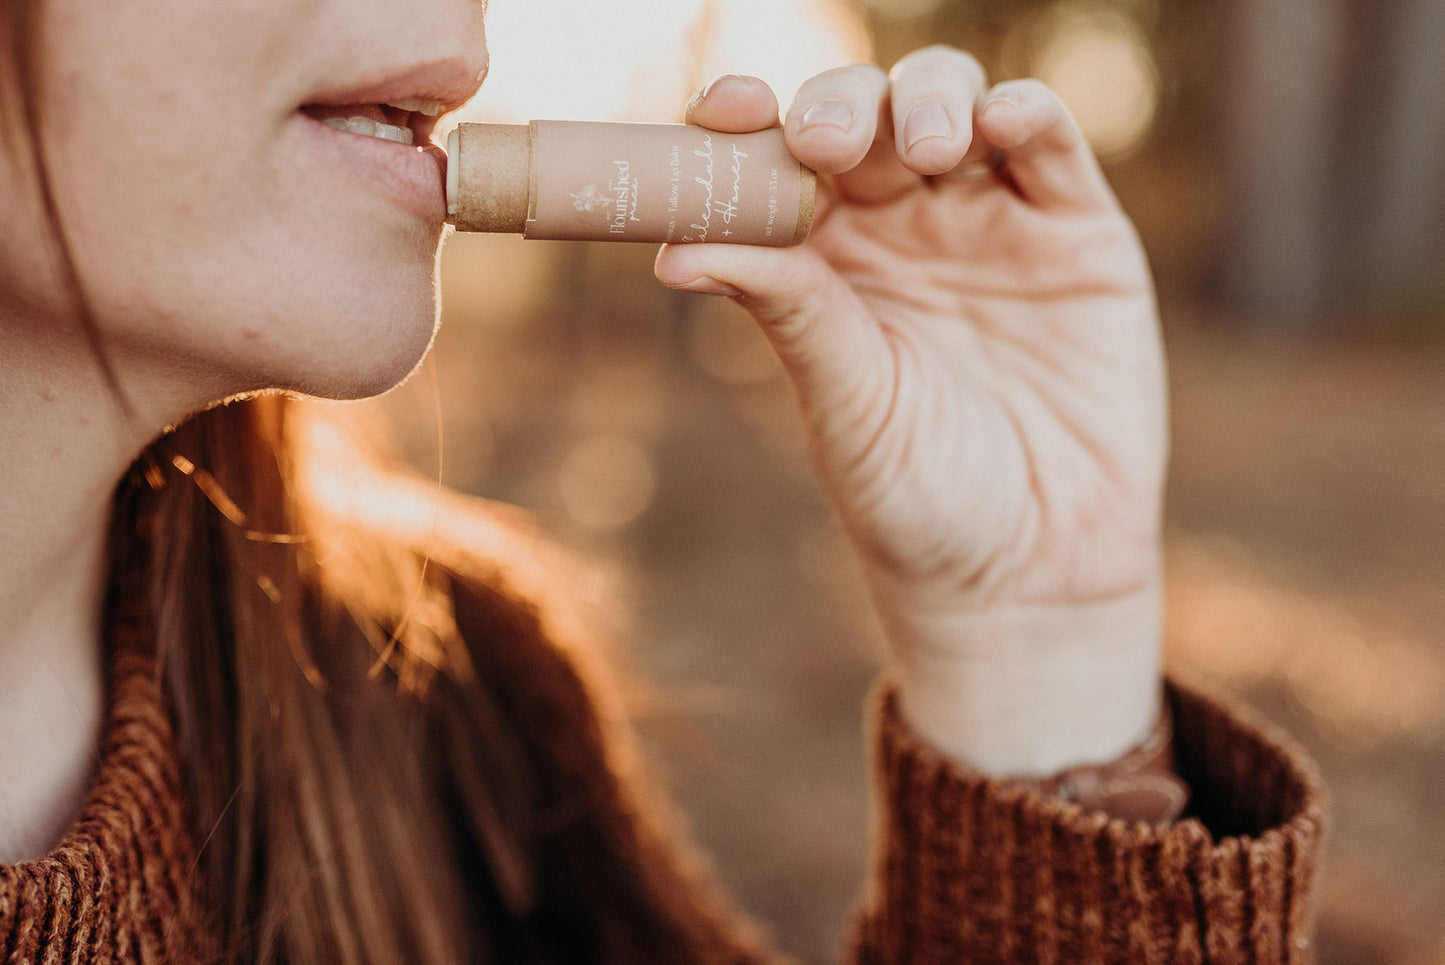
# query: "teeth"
366,127
429,108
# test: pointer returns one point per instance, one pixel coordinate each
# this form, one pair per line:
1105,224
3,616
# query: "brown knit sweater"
968,870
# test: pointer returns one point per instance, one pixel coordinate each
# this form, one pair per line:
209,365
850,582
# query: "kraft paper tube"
655,183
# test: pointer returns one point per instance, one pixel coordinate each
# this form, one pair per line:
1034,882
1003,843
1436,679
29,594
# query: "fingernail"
719,79
835,114
1005,99
709,286
926,120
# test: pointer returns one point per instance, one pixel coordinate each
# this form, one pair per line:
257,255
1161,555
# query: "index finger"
734,104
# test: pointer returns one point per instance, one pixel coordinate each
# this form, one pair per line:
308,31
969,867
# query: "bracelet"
1140,786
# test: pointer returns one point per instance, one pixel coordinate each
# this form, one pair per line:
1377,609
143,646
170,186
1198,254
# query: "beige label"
663,183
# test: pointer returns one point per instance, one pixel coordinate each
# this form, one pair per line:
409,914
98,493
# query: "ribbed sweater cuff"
975,870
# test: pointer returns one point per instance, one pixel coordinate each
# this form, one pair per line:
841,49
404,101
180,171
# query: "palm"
1008,444
980,374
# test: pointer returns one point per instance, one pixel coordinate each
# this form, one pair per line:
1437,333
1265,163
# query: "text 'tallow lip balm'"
655,183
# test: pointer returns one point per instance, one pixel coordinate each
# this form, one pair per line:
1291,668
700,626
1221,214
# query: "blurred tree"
1337,159
1400,159
1278,81
1297,168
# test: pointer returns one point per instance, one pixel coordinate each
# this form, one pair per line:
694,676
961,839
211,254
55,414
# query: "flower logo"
589,199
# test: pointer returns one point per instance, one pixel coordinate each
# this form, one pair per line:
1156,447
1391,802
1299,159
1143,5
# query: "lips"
410,177
423,91
371,127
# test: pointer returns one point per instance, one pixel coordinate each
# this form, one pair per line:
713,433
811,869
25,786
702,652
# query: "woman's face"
226,234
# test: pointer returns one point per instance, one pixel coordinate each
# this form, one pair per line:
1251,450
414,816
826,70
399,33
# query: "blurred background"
1285,163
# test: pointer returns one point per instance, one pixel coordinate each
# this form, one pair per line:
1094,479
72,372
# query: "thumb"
813,318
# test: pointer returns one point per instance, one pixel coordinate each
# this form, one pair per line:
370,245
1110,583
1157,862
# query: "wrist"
1030,691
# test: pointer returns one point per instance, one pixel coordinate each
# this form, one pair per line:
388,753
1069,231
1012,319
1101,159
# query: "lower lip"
413,178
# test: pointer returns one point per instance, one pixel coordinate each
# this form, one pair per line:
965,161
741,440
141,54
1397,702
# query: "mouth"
409,121
383,130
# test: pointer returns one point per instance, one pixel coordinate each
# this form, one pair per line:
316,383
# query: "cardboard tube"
654,183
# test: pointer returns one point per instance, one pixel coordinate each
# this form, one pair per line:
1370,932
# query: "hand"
975,350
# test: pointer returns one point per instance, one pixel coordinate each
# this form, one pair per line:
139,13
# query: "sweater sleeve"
969,869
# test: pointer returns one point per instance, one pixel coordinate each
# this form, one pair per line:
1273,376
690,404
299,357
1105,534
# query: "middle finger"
934,92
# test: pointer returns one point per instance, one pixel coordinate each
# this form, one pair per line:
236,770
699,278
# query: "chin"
342,342
347,322
391,326
389,372
373,358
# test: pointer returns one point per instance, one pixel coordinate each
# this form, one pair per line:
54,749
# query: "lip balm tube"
655,183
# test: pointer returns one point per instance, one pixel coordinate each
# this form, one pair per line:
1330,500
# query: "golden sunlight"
641,59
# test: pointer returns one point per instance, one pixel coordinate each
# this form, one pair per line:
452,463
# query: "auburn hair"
386,749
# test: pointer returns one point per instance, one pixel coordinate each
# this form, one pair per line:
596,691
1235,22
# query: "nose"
442,32
456,30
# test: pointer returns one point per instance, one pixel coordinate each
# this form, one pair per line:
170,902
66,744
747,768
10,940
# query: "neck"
66,444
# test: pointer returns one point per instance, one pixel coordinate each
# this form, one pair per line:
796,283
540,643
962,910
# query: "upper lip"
451,83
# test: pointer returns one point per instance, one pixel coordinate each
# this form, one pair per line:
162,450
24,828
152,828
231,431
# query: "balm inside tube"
655,183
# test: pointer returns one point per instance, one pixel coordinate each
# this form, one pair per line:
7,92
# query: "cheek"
246,274
212,252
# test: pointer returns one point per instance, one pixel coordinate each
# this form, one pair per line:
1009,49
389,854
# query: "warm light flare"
641,59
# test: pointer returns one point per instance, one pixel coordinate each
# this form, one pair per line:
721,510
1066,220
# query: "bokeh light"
606,481
1098,59
1364,677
